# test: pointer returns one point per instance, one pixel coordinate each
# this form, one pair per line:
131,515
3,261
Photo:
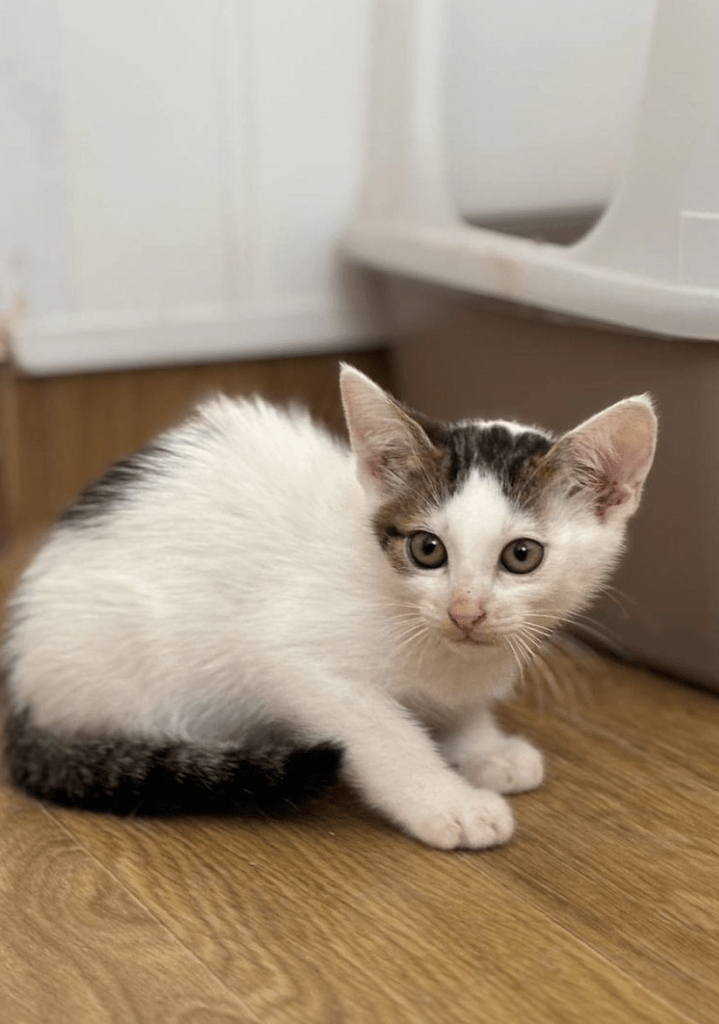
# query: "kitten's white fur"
251,588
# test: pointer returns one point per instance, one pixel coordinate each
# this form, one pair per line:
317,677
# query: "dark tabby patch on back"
107,493
123,776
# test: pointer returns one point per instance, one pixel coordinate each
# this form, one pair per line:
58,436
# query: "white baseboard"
85,342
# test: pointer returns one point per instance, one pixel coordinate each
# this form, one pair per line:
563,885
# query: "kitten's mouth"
473,641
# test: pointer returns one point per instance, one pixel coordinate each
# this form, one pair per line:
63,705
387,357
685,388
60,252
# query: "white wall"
174,175
33,177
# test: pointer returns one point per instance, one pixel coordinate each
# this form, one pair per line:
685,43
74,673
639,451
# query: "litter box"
547,315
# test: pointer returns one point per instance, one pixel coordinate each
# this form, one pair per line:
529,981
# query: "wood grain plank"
623,848
681,723
335,917
59,433
9,463
77,948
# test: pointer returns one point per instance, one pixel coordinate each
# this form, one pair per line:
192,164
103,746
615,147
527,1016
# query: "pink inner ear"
630,449
606,478
374,468
614,453
384,437
374,450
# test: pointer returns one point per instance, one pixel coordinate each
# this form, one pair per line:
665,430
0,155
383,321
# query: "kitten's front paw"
480,820
513,767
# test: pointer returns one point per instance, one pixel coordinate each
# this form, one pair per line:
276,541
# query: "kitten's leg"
486,757
398,769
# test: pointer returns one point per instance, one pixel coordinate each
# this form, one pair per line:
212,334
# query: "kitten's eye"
426,550
523,555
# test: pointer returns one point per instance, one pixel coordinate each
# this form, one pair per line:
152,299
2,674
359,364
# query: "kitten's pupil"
522,556
426,550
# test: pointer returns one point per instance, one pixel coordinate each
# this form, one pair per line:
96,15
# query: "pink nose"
466,619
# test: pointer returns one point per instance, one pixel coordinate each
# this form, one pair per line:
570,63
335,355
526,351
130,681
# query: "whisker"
624,602
407,617
410,634
570,670
538,633
524,646
518,661
591,630
547,676
415,633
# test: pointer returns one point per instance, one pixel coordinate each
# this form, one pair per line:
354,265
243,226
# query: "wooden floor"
604,908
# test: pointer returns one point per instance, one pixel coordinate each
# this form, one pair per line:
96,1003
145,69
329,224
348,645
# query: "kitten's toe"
481,820
515,767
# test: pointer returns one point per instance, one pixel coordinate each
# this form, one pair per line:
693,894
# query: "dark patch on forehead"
512,457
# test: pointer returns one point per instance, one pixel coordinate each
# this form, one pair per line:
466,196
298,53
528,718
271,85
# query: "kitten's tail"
140,777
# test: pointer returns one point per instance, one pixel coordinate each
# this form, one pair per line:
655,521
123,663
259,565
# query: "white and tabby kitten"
227,618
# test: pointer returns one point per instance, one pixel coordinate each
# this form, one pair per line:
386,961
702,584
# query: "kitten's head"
496,532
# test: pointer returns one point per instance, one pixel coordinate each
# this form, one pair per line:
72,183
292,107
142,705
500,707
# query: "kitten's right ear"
388,443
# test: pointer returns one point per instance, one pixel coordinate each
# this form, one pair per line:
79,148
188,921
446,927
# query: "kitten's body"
245,589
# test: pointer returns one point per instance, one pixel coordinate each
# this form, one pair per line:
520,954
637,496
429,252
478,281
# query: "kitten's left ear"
388,442
610,455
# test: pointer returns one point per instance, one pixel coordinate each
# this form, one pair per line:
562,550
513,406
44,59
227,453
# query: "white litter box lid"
650,263
539,101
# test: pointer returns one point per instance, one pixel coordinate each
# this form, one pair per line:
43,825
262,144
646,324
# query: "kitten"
247,606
